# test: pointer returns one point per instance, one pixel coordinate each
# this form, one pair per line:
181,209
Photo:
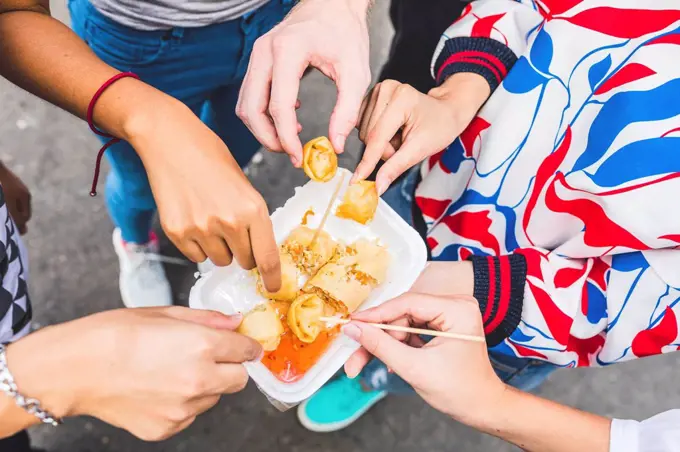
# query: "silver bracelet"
9,387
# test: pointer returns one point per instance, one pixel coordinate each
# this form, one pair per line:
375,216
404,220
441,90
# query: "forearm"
43,56
50,367
535,424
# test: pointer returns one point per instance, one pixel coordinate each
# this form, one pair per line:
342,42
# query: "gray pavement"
74,273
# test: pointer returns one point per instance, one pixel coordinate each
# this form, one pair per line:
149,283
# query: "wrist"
446,279
492,412
129,109
49,366
146,118
464,93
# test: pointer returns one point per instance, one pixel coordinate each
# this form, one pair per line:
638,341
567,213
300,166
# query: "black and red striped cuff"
499,289
484,56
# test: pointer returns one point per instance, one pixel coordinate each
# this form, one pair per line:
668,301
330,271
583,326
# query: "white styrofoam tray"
232,289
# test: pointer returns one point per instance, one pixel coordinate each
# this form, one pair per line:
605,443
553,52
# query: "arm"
43,56
192,174
539,425
472,58
487,40
149,371
456,378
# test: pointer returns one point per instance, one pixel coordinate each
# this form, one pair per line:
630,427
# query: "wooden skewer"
328,211
405,329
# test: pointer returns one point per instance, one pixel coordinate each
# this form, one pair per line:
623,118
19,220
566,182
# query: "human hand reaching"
331,36
403,126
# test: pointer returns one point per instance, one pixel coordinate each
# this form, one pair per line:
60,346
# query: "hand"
149,371
443,279
207,206
403,126
453,376
446,279
456,377
331,36
17,197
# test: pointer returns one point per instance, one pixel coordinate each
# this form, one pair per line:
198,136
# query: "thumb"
351,90
407,157
394,354
211,319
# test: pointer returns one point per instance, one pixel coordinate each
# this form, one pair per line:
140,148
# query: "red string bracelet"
90,122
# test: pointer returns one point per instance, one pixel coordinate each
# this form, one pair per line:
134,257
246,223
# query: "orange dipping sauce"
293,358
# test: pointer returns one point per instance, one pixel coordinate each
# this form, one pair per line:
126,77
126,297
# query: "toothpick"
405,329
328,211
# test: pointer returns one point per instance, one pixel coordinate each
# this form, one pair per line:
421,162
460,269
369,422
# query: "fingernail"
381,187
340,142
259,357
351,376
294,160
238,317
352,331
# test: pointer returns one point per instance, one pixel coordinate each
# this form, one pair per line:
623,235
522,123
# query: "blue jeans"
202,67
522,373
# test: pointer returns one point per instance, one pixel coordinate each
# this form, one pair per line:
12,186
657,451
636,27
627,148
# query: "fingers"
366,112
230,378
352,85
400,162
385,95
23,212
361,357
379,139
266,253
356,363
211,319
287,72
239,242
255,93
25,206
230,347
191,250
216,249
394,354
438,312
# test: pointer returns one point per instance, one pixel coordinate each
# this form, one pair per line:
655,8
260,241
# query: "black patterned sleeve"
484,56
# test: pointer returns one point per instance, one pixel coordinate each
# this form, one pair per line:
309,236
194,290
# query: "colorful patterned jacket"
563,190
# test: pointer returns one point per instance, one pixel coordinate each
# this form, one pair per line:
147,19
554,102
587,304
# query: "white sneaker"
142,278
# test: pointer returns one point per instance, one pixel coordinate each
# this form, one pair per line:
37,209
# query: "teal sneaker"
337,405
